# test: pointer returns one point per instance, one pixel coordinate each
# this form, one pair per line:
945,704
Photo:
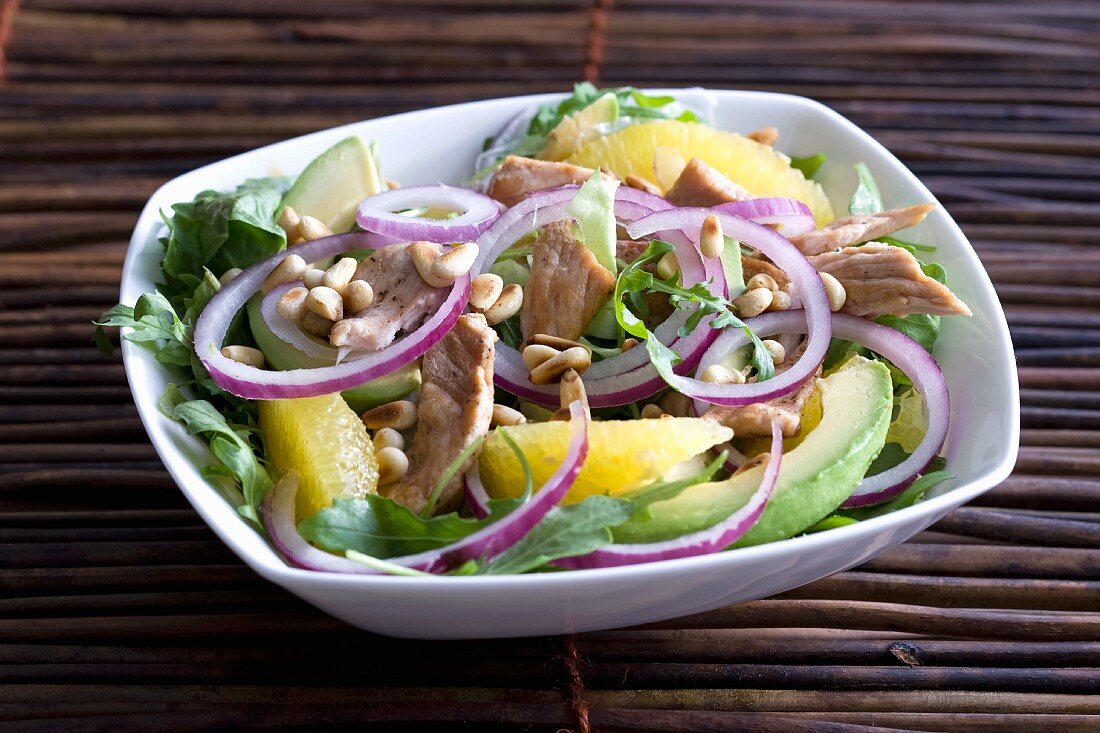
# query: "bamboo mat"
120,611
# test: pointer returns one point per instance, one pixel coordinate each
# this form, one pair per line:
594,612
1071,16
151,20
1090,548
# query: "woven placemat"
119,609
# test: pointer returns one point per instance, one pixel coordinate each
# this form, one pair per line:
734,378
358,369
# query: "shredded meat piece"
852,230
456,405
641,184
755,420
701,185
402,301
881,279
518,176
567,286
765,136
628,250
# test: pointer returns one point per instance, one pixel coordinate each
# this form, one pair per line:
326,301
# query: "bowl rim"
277,570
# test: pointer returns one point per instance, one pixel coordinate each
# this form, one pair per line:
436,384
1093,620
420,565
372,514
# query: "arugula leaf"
810,164
218,231
831,522
909,497
230,444
153,321
565,531
661,490
594,209
866,199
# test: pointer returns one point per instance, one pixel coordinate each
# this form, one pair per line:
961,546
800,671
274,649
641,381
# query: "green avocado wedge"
814,478
283,356
333,185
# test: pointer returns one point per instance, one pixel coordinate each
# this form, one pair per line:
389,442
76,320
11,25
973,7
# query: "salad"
629,337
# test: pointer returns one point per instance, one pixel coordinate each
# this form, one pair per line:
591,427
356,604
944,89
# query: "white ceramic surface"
440,145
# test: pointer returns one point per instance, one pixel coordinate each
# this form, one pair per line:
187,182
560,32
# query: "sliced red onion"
290,333
484,544
707,541
477,498
629,376
378,214
807,285
260,384
790,217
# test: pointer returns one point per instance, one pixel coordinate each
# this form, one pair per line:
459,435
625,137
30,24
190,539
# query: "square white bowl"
440,145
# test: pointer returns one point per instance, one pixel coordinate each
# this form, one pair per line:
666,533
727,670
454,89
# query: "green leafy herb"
154,321
593,207
909,497
450,473
524,464
218,231
662,490
831,522
809,165
911,247
866,199
565,531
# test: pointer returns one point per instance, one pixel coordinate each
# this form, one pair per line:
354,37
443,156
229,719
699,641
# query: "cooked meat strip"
701,185
878,278
852,230
755,420
518,176
765,136
456,405
881,279
567,286
641,184
402,300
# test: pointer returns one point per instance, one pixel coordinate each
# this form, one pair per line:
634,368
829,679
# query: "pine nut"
399,415
552,369
358,295
834,291
388,438
289,306
485,290
719,374
753,303
313,277
572,389
325,302
393,464
314,324
455,262
289,269
667,266
311,228
561,415
506,416
711,241
765,136
762,280
630,343
776,350
536,354
339,275
781,301
641,184
424,255
675,404
289,221
556,342
507,305
652,412
244,355
229,275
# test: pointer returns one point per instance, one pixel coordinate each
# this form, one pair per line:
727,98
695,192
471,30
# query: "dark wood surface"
120,611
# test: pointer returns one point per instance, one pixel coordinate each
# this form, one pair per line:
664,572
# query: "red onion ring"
704,542
803,277
477,498
484,544
290,334
790,217
627,377
377,214
259,384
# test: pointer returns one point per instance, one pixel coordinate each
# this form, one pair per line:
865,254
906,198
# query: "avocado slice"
333,185
814,478
580,127
283,356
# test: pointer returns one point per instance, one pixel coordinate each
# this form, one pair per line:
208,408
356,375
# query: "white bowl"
440,145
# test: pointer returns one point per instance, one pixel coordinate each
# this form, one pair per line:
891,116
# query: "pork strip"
567,286
402,300
701,185
518,176
852,230
755,420
880,279
456,405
